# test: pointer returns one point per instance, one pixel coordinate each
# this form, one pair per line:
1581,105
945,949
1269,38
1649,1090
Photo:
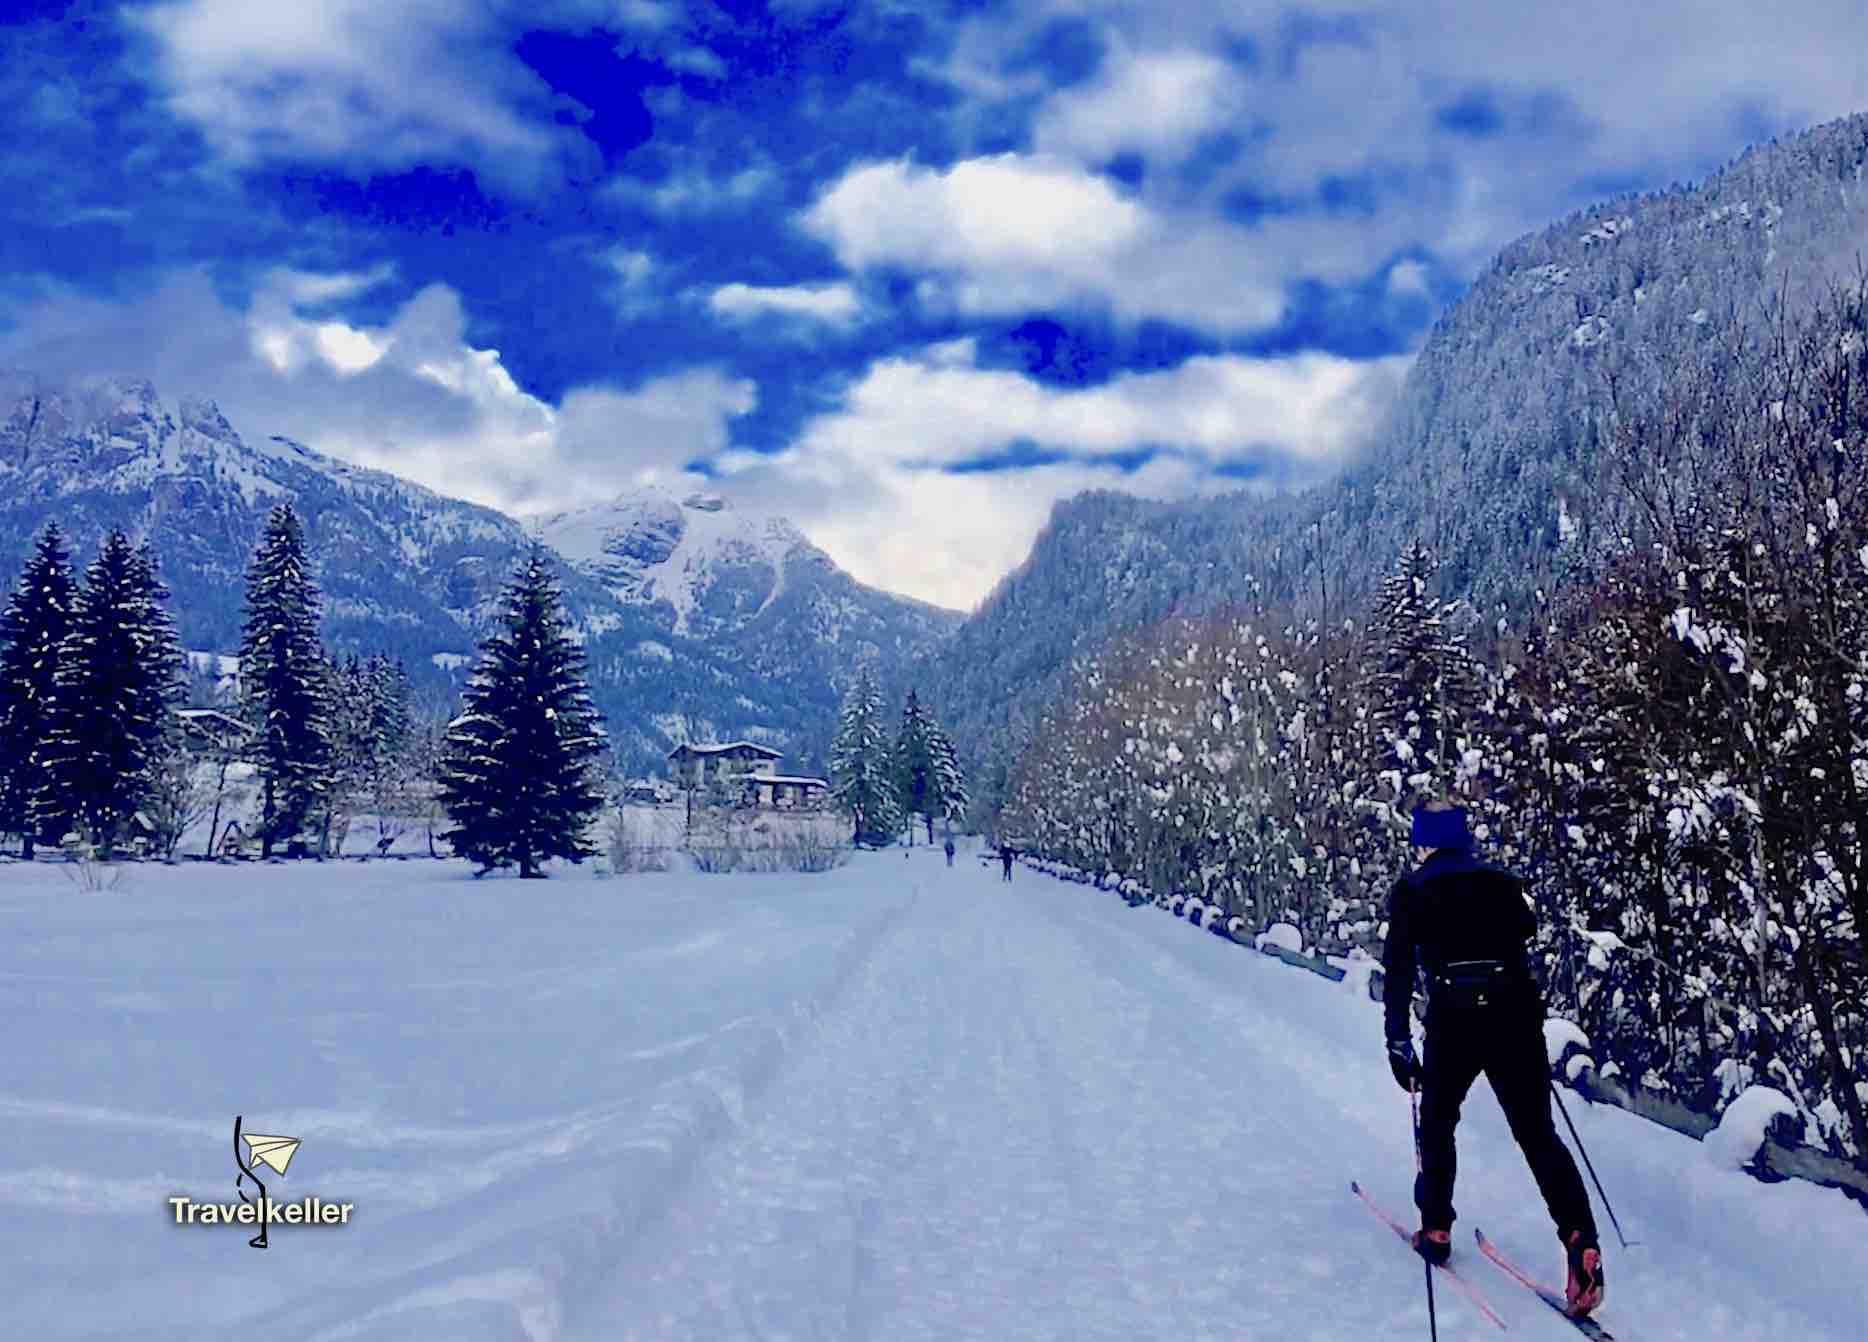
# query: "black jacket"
1467,929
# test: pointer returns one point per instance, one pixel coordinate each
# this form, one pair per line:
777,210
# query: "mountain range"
699,619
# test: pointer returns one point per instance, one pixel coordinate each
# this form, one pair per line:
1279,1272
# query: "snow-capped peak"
649,546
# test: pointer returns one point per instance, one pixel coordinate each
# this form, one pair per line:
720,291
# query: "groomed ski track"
1033,1113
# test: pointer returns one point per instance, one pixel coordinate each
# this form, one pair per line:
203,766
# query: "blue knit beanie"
1440,829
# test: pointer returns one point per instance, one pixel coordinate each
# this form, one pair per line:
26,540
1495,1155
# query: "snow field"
892,1101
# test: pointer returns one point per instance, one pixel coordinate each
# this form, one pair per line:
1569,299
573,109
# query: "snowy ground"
893,1101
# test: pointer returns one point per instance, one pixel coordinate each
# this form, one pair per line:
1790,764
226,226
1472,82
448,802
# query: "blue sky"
906,273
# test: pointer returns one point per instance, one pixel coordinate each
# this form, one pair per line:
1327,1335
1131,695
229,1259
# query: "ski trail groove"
1003,1128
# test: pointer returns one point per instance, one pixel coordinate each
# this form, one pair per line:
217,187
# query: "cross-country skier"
1466,929
948,846
1005,856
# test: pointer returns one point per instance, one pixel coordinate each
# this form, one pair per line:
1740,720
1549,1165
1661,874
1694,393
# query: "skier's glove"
1403,1063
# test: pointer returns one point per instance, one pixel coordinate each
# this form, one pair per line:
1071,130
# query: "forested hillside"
1492,456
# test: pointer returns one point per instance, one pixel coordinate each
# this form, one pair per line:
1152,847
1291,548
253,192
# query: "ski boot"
1584,1291
1436,1246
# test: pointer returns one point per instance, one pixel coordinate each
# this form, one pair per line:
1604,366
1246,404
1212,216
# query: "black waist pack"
1465,985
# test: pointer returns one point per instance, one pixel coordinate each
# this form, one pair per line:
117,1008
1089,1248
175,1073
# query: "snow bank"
1744,1125
1284,936
1559,1036
1358,968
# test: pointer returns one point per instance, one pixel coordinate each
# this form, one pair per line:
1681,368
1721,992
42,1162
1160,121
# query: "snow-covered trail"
891,1101
1033,1113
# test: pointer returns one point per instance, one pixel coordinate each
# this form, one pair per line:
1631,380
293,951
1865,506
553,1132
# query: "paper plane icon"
274,1151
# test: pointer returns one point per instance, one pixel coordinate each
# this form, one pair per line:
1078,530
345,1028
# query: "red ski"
1471,1291
1584,1324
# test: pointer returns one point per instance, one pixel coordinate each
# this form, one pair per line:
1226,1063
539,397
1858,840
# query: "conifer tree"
1421,679
387,682
119,680
350,718
282,681
519,775
860,766
949,781
389,761
925,770
32,634
912,768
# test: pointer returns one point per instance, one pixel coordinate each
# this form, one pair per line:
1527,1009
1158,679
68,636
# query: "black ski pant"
1508,1047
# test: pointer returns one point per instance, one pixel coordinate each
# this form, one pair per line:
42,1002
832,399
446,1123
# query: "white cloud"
1222,408
692,190
1015,232
653,431
835,303
358,80
650,14
1408,278
698,61
997,213
1659,92
635,290
1159,102
939,537
634,268
412,396
866,483
347,349
303,286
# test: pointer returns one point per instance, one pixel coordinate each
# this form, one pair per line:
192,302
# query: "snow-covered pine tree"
949,781
350,715
519,776
390,766
388,688
282,681
860,765
912,768
32,632
119,681
1420,677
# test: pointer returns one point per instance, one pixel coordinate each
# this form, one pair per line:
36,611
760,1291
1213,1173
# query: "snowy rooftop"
693,749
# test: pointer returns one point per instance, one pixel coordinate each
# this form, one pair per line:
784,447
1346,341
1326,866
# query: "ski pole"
1413,1094
1576,1137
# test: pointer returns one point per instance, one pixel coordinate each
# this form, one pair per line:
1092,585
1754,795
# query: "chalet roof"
786,778
692,749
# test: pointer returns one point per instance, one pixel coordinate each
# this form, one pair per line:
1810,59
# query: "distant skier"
1005,857
1466,928
948,848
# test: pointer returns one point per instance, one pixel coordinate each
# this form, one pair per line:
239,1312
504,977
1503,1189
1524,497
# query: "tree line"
98,751
1670,743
